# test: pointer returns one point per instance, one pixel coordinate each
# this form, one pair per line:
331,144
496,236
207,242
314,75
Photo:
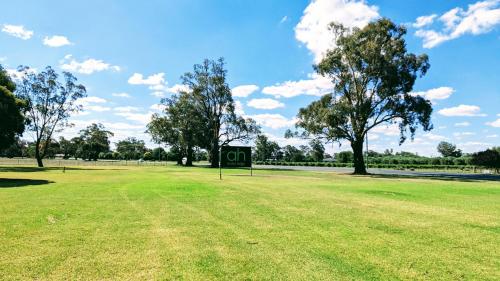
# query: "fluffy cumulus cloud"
92,103
126,108
17,31
152,80
273,121
440,93
312,30
462,124
137,117
121,95
265,104
479,18
388,130
56,41
315,85
88,66
462,110
495,123
156,83
244,91
238,108
424,20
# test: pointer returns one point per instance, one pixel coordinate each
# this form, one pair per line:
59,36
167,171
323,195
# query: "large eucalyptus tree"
373,75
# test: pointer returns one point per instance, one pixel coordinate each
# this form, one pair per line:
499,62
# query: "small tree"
265,149
489,158
373,75
212,98
11,112
448,149
95,140
50,103
317,150
131,148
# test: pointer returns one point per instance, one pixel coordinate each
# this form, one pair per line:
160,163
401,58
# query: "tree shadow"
444,177
37,169
12,183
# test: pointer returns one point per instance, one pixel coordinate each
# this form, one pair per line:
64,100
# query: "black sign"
236,156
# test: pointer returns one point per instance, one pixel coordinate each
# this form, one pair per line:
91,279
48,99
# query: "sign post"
235,157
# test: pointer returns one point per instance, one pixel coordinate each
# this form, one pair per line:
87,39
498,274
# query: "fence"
69,163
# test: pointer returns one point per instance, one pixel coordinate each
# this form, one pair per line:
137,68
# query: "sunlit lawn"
184,223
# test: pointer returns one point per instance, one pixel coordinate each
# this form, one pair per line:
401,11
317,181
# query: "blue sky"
131,53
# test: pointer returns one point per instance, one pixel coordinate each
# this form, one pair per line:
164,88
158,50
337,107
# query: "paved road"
387,172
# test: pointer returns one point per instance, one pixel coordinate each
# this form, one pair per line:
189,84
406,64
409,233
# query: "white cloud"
440,93
158,107
424,20
473,146
316,85
238,108
312,30
121,95
434,137
462,124
462,110
56,41
274,121
460,135
284,19
90,99
495,123
88,66
492,136
2,59
152,80
177,88
265,104
388,130
479,18
244,91
17,31
142,118
126,108
97,108
159,94
92,103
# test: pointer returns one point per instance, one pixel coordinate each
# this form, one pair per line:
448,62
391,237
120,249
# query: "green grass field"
183,223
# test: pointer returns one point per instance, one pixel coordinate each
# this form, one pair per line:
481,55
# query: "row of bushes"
379,166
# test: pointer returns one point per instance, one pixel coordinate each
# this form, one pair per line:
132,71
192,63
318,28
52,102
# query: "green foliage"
94,140
489,158
448,149
11,112
131,148
317,150
373,75
50,102
266,149
211,96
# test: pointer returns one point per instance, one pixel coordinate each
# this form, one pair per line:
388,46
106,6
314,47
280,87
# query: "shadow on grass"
12,183
445,177
37,169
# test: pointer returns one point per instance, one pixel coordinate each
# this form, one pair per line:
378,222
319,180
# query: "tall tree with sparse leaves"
373,74
212,98
50,103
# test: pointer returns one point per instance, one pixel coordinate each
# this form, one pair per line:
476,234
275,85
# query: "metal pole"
251,164
367,150
220,166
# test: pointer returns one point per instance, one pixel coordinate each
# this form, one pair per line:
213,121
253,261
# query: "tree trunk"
189,156
214,155
37,155
359,161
